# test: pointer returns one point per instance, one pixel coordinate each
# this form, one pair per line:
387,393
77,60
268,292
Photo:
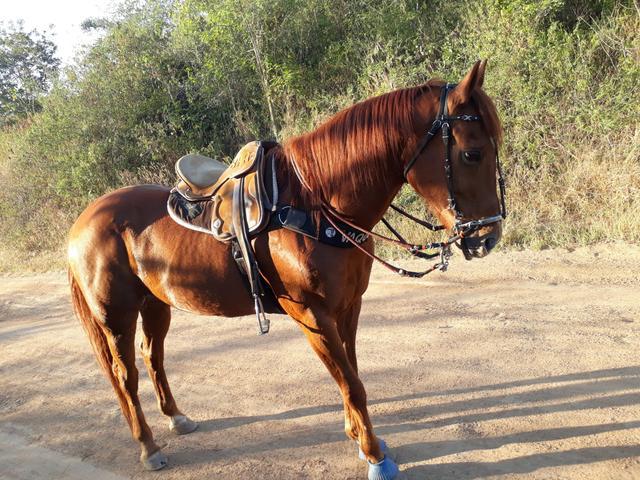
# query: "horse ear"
481,69
472,80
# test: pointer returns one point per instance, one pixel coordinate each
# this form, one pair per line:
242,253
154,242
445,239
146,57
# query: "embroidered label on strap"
330,236
300,221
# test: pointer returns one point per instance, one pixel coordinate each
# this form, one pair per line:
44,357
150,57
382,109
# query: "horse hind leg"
156,317
113,337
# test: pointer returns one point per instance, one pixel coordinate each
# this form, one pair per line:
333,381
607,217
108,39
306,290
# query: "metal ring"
285,208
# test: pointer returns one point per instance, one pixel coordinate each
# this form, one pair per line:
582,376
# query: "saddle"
231,203
217,192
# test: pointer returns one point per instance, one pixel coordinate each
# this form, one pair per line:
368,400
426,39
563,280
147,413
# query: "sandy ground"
521,365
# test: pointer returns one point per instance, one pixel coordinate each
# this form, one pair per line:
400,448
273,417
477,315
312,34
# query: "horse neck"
366,203
356,169
362,200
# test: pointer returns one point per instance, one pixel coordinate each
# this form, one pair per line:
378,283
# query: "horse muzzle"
479,244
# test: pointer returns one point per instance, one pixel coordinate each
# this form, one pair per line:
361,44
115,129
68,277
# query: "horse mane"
354,146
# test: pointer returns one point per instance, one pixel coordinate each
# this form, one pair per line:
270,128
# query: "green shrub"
167,78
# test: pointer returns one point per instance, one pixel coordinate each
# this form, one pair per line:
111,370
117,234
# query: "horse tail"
98,338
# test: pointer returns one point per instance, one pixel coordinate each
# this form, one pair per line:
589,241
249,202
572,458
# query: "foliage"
170,77
27,66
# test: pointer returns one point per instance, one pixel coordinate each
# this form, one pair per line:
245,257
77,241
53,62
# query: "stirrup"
263,321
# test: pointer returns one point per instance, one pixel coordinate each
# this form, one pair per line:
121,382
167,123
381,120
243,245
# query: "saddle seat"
203,175
200,173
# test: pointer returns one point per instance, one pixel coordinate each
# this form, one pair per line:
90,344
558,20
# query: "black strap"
435,126
301,222
424,223
250,264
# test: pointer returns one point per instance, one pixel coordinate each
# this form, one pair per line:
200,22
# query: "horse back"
125,242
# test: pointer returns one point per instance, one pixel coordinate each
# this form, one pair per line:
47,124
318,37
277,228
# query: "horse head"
454,166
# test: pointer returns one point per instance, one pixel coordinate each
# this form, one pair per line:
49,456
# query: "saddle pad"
191,215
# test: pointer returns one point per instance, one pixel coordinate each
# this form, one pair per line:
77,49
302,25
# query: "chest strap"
300,221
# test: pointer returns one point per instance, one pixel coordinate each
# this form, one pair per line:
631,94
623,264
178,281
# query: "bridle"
443,122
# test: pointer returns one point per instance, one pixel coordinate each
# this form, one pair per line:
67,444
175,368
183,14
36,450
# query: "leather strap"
251,266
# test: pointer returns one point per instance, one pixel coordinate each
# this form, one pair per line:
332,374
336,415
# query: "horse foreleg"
156,318
321,330
347,328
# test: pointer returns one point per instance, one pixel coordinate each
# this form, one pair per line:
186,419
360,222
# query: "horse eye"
471,157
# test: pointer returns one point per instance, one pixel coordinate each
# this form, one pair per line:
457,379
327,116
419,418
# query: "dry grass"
20,261
155,174
593,196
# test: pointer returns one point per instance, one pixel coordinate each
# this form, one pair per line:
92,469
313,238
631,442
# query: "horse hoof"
181,424
383,448
155,461
385,469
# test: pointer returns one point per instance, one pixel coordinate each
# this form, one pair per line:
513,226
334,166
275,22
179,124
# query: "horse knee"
355,395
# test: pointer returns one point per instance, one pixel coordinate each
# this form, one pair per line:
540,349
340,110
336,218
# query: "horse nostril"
489,243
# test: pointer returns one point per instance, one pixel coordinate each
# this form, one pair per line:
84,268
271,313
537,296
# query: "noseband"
461,229
444,122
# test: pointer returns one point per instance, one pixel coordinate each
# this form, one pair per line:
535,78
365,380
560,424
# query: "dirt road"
521,365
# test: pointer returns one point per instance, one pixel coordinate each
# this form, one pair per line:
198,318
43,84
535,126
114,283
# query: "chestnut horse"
127,257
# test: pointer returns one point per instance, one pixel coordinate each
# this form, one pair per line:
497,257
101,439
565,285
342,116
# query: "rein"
461,229
413,249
